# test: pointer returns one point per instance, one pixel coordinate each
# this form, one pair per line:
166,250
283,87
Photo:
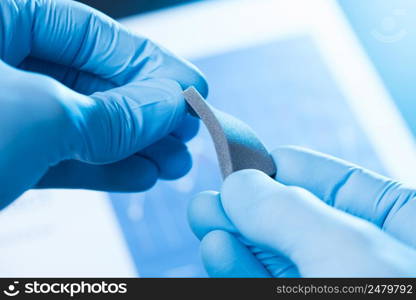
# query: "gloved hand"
321,217
84,103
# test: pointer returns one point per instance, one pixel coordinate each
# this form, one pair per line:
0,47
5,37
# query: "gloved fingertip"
129,118
176,165
242,189
291,162
243,177
174,104
195,78
133,174
150,178
170,93
206,214
171,157
202,86
224,255
187,129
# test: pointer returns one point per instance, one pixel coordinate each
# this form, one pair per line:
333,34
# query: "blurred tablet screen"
284,91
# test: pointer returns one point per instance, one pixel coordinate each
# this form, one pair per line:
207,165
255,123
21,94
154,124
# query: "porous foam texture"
236,144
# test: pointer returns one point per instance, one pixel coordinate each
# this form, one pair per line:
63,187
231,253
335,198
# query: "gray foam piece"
236,144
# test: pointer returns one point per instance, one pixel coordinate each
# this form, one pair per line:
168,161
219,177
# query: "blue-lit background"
301,104
387,31
298,105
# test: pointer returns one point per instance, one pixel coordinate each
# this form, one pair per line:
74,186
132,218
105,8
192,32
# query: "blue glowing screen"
286,93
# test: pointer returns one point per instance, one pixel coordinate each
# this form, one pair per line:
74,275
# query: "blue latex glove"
321,217
84,103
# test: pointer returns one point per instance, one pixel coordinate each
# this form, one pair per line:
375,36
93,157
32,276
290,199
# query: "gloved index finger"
75,35
341,184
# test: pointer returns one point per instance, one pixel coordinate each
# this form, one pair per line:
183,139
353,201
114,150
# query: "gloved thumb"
117,123
289,220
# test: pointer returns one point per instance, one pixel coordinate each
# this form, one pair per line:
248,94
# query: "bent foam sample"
236,144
